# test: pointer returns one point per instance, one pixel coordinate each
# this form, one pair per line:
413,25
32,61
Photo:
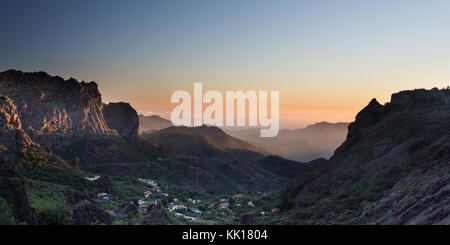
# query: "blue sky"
327,58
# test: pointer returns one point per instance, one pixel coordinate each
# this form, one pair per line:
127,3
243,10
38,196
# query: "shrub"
6,217
32,157
51,212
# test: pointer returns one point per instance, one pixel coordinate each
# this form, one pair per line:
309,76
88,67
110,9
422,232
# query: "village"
175,206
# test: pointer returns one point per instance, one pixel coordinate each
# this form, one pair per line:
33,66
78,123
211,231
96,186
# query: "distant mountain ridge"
315,141
152,123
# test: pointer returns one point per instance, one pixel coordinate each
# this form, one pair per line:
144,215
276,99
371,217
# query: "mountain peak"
122,117
372,113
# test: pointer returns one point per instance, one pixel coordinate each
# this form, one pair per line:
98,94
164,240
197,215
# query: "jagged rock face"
123,118
53,110
393,168
11,133
12,189
371,114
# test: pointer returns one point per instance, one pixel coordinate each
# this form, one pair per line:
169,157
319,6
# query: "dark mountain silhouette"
393,168
123,118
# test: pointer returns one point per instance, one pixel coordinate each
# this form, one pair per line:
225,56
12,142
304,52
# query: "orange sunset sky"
328,59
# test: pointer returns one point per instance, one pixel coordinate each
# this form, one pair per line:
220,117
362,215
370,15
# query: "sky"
328,59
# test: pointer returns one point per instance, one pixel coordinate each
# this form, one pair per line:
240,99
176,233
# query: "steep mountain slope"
393,168
198,141
152,123
315,141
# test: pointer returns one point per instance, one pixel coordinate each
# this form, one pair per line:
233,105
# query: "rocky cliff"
11,132
393,168
123,118
53,110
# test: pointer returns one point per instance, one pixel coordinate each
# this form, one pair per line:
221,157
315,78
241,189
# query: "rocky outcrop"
87,212
123,118
52,110
371,114
392,169
368,116
11,132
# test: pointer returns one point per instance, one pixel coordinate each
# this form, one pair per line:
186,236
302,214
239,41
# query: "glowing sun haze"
327,58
